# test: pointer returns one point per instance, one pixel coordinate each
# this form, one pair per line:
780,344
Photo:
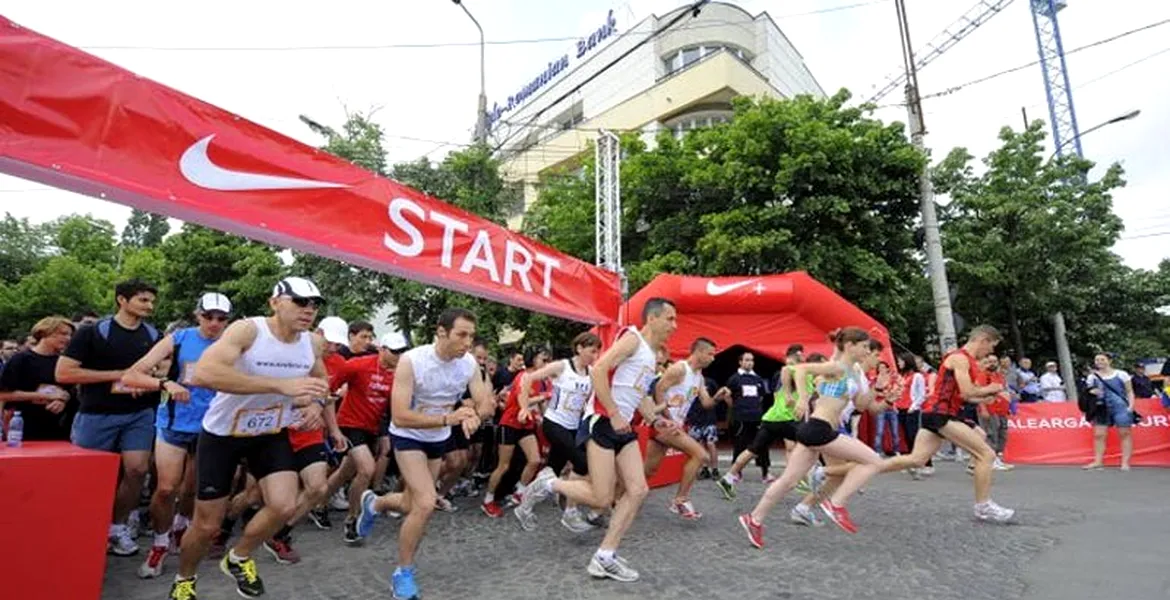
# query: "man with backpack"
114,417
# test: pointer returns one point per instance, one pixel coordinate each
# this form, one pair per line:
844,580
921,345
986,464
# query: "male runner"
956,385
178,421
678,388
428,385
363,415
612,446
265,369
778,423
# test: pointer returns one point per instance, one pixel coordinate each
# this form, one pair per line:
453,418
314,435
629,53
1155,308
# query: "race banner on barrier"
1056,433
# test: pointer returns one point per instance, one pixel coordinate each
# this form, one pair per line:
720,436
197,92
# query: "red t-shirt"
367,398
304,439
1002,405
946,397
512,406
904,400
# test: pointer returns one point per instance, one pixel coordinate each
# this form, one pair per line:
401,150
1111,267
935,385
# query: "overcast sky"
271,65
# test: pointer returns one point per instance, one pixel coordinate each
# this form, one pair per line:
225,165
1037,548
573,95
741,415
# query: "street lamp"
1059,329
481,117
1126,117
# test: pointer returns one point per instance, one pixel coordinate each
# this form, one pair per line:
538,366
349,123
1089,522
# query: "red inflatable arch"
764,313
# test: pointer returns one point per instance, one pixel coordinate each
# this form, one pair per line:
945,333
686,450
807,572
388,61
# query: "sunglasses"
308,302
216,317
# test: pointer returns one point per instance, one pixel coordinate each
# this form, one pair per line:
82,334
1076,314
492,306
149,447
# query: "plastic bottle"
15,430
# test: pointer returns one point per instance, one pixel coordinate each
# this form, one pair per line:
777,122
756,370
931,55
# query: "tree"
1028,237
63,286
23,248
144,230
90,240
801,184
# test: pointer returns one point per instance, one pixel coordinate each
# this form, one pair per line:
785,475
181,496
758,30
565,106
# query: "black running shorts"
815,432
934,422
770,431
600,430
216,458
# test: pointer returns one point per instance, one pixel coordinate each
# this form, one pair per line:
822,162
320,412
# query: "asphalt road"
1078,535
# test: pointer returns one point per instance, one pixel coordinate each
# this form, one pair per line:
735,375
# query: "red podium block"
670,469
55,506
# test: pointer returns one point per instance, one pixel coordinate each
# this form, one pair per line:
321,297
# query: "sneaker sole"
748,530
276,556
833,518
603,574
366,515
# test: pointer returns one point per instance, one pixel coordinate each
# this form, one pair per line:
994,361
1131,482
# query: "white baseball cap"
296,287
335,330
212,301
394,342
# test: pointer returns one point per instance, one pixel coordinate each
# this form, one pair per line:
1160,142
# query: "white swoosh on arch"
197,168
715,289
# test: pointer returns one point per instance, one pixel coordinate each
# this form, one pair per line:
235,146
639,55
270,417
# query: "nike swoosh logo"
197,168
715,289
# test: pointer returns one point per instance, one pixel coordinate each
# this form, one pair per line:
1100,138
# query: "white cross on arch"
759,288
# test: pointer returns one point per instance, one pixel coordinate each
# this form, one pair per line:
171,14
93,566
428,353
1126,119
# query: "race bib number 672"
260,421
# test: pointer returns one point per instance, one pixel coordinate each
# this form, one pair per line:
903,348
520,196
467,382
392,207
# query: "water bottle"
15,430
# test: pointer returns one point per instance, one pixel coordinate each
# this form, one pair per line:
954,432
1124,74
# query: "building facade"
681,79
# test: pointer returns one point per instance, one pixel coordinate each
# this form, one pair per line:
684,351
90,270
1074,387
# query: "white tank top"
631,379
679,398
246,415
571,390
438,387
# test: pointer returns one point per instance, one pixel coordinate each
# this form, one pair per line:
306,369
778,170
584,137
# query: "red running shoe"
839,515
492,509
282,551
755,531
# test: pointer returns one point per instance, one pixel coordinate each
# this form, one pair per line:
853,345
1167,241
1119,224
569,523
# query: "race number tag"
187,373
257,421
750,391
119,388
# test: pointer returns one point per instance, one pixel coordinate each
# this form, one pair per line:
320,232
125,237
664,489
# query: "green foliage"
802,184
1027,237
144,230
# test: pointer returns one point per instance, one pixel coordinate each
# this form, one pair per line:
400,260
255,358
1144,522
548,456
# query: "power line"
422,45
1033,63
1143,236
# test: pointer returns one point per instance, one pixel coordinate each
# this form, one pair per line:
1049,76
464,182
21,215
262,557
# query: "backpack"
1086,401
103,329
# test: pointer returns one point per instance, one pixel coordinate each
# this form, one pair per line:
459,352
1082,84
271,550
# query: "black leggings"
744,436
911,422
563,448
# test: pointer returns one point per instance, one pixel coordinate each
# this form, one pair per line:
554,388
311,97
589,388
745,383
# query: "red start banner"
74,121
1056,433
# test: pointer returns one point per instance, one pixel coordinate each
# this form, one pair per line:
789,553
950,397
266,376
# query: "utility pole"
481,116
940,290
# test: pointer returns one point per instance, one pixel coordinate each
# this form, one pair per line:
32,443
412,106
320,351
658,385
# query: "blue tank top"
186,417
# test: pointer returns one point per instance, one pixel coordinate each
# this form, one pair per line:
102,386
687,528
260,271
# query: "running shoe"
704,473
121,543
768,479
282,551
616,569
926,471
177,540
727,487
839,515
182,589
320,518
350,537
339,501
514,499
153,566
803,515
715,473
248,583
816,479
539,489
754,530
492,509
999,465
365,522
134,523
597,520
990,511
573,521
525,515
685,510
444,505
402,582
914,473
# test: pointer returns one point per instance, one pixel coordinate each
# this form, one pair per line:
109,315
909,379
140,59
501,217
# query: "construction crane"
971,20
1063,118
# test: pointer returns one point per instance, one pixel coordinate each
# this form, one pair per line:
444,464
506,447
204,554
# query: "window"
685,57
690,122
